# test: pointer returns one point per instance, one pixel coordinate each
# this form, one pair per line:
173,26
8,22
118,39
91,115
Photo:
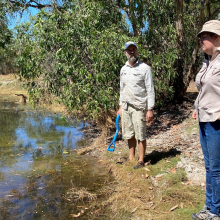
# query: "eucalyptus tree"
76,47
172,40
75,54
5,34
6,52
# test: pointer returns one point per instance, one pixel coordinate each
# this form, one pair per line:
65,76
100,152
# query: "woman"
207,111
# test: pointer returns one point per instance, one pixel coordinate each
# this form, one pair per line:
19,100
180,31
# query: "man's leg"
142,149
128,131
132,145
139,121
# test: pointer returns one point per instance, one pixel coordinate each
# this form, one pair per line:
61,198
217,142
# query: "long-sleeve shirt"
207,103
136,86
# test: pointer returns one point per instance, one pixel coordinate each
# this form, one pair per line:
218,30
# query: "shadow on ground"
155,156
173,114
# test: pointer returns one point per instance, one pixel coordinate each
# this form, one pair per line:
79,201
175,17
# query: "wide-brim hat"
129,43
212,26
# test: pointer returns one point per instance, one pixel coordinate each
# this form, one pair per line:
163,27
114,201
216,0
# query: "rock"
160,175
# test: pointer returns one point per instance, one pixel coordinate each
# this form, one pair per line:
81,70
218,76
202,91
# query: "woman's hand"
194,114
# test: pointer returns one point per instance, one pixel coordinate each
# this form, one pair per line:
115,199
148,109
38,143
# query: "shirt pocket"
124,78
216,70
137,78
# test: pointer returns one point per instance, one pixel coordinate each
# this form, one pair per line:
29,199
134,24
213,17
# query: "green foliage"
191,14
169,57
5,34
74,51
77,54
161,41
7,60
6,51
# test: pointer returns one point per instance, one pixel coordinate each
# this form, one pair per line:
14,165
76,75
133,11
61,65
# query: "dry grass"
75,195
9,86
159,192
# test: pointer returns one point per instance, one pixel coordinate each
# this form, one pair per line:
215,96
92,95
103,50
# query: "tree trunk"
179,81
190,75
133,19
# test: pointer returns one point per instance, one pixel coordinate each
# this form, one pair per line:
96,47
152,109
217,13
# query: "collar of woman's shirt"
215,54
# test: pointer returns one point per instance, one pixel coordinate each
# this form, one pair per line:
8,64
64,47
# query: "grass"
193,126
165,187
9,86
80,194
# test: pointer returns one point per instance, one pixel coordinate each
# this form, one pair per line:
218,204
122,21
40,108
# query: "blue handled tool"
116,134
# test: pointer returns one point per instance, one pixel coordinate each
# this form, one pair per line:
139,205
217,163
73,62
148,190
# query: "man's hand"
119,111
149,116
194,114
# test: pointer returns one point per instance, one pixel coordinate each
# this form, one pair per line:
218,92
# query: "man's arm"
149,84
121,94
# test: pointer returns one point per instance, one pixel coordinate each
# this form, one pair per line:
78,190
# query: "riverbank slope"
172,184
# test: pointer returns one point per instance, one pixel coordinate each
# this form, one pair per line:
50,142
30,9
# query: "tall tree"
78,53
175,54
74,46
5,34
6,51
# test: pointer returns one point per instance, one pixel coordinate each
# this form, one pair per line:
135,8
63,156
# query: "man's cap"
212,26
129,43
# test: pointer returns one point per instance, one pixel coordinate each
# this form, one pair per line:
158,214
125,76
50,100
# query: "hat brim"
199,34
130,45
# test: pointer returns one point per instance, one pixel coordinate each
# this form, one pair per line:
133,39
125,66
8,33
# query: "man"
137,100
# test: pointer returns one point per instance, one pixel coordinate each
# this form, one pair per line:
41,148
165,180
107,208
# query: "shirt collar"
215,54
137,62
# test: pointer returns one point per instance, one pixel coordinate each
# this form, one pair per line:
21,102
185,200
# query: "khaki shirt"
136,86
207,103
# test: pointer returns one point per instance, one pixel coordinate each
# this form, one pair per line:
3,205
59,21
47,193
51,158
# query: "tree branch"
29,4
216,10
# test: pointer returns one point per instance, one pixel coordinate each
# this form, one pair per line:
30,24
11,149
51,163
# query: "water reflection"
38,166
26,131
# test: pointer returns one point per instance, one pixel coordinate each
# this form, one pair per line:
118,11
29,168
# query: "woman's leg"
203,142
211,153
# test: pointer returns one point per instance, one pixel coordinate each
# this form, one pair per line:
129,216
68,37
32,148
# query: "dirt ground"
172,128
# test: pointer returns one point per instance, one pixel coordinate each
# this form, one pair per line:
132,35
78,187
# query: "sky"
21,19
32,11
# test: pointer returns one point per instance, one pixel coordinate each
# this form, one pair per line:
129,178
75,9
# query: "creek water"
38,166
